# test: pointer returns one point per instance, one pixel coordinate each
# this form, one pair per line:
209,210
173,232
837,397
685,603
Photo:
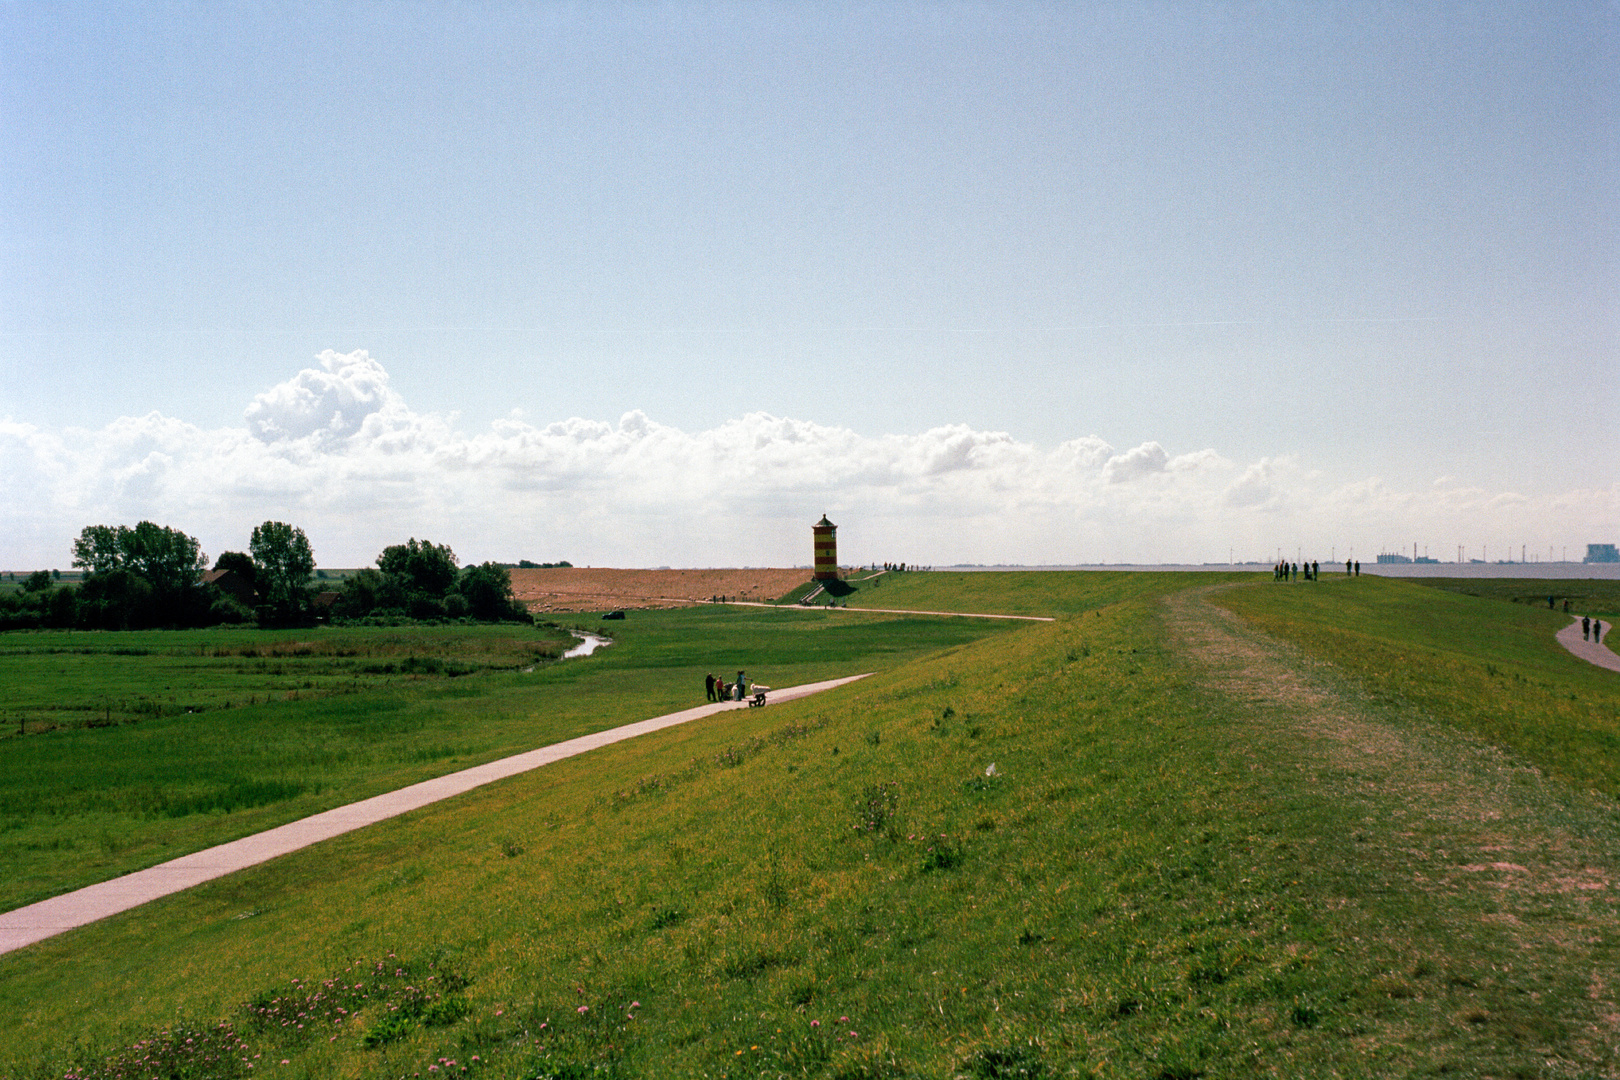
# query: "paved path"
26,925
1570,638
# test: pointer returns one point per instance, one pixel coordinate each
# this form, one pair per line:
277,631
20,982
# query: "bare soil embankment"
598,588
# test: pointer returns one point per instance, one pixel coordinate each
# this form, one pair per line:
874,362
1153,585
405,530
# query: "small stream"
588,643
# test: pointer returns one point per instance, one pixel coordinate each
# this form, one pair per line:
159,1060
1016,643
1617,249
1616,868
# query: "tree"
360,594
99,549
285,562
242,565
172,561
117,600
169,560
64,607
487,589
38,581
146,576
426,570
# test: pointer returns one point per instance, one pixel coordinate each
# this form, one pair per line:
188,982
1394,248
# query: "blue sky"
1021,283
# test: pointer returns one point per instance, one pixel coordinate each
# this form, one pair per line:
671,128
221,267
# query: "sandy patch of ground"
604,588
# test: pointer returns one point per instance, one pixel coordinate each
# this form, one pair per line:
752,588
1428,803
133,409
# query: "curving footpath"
26,925
1590,651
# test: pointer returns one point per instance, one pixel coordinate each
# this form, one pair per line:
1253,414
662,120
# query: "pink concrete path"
26,925
1570,638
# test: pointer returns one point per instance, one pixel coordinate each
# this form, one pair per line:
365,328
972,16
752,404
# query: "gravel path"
26,925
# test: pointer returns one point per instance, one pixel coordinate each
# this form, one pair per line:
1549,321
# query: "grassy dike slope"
1190,862
1489,667
291,723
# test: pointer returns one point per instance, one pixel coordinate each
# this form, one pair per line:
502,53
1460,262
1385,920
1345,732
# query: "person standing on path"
742,685
1586,628
1597,631
708,686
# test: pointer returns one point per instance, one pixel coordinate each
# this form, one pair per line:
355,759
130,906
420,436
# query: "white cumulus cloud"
336,450
334,400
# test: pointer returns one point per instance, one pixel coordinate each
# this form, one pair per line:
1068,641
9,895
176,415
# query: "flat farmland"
598,588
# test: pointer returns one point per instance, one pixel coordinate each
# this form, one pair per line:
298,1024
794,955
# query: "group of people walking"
720,690
1591,629
1287,571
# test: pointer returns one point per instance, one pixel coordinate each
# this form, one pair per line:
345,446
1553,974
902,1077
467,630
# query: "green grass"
1159,880
217,734
1028,592
1586,596
67,679
1490,668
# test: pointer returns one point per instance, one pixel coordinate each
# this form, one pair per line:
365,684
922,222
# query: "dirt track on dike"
1497,857
598,588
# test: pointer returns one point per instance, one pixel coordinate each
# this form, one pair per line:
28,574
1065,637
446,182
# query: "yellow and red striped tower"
826,550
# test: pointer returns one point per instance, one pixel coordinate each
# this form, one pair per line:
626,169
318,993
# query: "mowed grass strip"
321,718
1157,879
1492,668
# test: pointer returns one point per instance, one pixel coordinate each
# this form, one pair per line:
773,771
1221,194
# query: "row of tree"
154,576
420,580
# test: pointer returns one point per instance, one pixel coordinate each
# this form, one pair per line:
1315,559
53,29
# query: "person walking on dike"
1316,570
1358,568
708,686
1597,631
1586,628
1347,568
742,685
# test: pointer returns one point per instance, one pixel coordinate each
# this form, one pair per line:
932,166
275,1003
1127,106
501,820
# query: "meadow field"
1198,826
121,750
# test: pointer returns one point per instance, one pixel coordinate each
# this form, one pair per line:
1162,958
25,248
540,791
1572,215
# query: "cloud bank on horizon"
337,450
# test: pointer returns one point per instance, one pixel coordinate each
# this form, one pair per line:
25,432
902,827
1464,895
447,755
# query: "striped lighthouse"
826,563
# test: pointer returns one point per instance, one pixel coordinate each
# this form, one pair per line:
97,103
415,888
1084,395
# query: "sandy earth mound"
598,589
